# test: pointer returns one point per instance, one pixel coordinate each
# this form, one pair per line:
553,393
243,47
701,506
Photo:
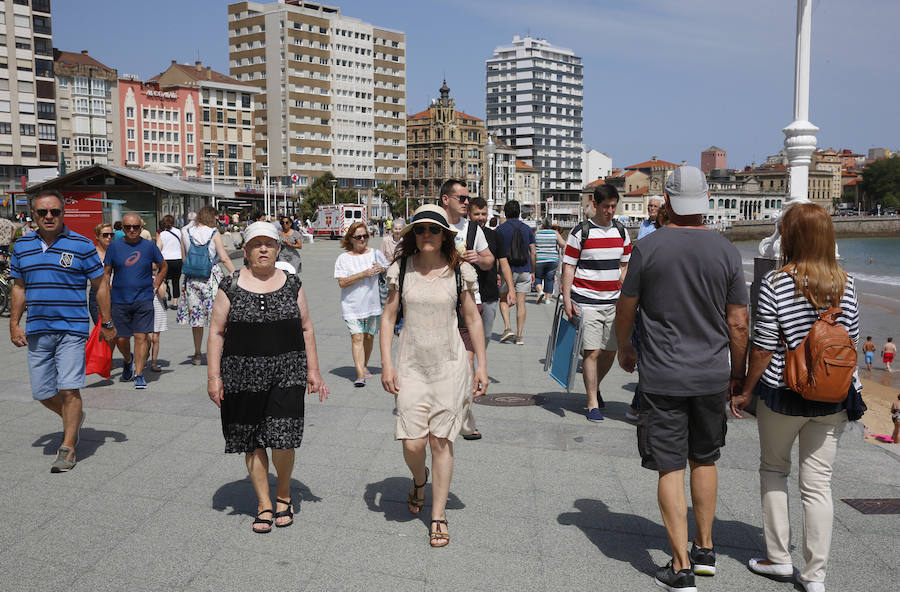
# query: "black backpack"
518,251
586,230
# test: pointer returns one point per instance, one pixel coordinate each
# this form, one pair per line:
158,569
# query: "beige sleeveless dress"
433,369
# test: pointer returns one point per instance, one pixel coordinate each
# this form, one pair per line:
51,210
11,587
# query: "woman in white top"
168,239
196,305
357,272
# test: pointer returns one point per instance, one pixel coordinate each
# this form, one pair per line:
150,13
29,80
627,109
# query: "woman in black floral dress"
261,359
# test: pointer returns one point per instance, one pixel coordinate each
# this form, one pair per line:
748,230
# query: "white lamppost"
333,184
489,148
265,168
800,135
212,178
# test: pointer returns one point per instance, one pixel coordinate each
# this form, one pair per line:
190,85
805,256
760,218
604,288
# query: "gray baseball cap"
688,191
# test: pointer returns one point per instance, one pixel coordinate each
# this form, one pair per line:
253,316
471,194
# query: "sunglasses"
360,236
107,234
55,212
460,198
131,226
432,228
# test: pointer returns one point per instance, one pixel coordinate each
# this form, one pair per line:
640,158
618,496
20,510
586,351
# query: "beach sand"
880,390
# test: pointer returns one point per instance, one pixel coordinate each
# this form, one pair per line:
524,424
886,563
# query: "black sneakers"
703,561
683,581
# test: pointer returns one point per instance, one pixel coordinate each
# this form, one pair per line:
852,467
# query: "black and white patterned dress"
263,368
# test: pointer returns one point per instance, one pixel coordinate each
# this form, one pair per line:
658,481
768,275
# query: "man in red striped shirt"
593,272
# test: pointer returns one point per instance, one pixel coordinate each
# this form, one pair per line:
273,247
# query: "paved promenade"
546,501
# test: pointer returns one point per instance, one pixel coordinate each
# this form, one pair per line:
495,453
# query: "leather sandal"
414,503
436,536
289,513
262,521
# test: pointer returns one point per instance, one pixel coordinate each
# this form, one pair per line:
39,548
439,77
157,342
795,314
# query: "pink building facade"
160,127
713,158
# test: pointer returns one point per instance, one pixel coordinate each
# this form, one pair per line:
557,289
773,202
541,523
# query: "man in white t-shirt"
474,250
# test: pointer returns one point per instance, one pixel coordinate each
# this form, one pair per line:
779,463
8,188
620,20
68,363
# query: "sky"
661,78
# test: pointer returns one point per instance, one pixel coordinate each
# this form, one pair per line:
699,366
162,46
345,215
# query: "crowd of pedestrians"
671,306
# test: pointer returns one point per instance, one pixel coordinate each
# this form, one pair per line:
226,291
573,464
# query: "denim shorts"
55,363
135,317
367,325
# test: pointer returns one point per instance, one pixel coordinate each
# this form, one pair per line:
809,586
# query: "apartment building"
224,144
332,93
527,190
87,115
534,97
27,96
444,143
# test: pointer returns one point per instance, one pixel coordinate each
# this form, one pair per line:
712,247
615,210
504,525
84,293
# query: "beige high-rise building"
333,92
27,96
87,116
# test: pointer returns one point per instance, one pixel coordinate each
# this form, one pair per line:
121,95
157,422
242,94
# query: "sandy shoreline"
880,390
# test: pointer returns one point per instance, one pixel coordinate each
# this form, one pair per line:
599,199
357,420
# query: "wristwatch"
107,324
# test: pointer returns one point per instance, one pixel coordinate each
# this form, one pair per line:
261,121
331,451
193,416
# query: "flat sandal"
262,521
436,535
289,513
412,501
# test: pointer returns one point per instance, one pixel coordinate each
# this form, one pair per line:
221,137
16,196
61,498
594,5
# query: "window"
98,87
147,135
232,151
153,135
131,156
43,46
189,138
189,117
65,142
168,115
82,105
221,168
41,24
46,111
206,115
26,107
129,112
23,43
219,116
82,144
46,131
146,113
245,101
232,169
176,158
81,85
175,136
5,127
248,169
189,159
129,134
43,68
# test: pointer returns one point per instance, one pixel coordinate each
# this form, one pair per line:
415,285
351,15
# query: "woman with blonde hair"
790,299
104,234
199,289
433,381
357,270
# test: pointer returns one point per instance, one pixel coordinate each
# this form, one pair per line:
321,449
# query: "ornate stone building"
444,143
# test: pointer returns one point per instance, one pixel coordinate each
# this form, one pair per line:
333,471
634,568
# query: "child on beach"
887,353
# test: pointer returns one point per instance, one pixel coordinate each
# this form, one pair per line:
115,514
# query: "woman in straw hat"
261,358
433,381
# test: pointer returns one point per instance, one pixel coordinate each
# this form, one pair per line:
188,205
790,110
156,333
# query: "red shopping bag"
97,354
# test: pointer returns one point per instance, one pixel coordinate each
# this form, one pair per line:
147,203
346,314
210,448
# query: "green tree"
890,201
320,193
881,179
392,198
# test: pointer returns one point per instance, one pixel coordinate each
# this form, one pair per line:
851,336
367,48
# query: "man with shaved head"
131,261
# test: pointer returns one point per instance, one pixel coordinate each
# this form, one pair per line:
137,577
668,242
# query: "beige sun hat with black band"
429,214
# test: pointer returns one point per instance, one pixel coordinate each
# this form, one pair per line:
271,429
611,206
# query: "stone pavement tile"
17,391
96,581
174,544
267,562
484,480
497,500
493,453
571,485
882,546
24,572
93,525
612,515
854,463
170,422
358,440
337,579
495,571
493,533
380,420
327,480
204,435
850,558
854,521
333,455
12,411
159,475
402,554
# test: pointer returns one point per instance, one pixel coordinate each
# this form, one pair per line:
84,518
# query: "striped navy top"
779,312
56,278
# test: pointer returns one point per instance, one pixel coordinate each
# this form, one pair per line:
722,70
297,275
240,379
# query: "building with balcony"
734,196
534,96
28,133
332,93
224,141
87,116
444,143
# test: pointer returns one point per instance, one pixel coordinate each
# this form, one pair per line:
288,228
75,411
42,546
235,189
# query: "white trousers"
818,438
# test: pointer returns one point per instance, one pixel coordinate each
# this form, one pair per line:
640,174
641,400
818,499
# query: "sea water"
874,263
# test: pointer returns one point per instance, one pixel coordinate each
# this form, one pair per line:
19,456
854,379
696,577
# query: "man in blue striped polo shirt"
51,268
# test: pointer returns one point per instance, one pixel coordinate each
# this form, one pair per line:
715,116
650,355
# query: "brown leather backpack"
821,367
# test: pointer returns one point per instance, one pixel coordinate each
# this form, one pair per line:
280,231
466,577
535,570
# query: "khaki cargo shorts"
599,329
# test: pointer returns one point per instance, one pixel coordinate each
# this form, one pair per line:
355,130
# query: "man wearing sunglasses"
51,268
474,249
132,260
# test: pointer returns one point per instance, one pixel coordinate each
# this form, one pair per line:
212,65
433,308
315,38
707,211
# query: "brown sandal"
437,536
414,503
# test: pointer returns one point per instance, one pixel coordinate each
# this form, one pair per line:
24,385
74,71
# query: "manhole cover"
890,505
509,400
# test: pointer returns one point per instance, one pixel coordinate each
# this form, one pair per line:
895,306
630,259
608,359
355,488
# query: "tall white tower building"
534,100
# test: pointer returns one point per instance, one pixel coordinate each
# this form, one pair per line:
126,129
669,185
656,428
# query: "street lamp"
489,148
265,168
333,184
212,179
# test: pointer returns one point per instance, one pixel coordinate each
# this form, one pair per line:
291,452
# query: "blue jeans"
55,363
544,273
